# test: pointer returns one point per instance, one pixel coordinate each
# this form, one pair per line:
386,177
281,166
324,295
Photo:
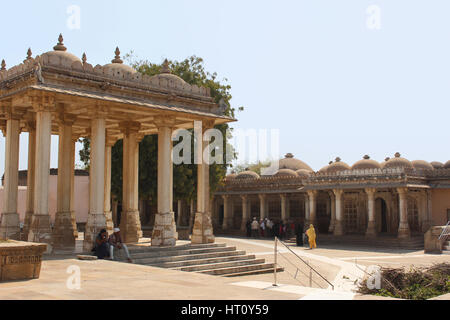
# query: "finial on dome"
338,159
117,57
398,155
165,67
387,159
29,53
60,46
366,157
3,65
330,163
84,58
289,156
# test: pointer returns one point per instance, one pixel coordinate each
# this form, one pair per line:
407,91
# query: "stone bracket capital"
66,118
338,192
164,121
370,191
129,127
44,103
312,193
402,191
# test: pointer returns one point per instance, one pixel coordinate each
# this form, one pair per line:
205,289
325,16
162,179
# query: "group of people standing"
265,228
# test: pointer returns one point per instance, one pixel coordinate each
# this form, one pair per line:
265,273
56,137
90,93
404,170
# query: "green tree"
193,72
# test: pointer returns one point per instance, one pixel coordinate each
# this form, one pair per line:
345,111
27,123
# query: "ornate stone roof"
366,163
247,175
398,162
422,164
289,162
338,165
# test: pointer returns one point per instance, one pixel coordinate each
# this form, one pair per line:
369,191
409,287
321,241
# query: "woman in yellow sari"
311,233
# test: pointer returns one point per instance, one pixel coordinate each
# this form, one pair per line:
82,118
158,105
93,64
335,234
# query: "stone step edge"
134,249
215,266
254,267
206,261
253,272
175,253
235,253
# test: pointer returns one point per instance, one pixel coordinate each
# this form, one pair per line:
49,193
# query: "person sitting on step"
101,248
115,242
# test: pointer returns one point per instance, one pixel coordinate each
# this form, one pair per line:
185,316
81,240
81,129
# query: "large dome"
421,165
247,175
303,173
337,166
398,162
366,163
289,162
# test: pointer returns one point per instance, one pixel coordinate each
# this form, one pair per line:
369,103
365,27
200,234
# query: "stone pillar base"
10,226
40,230
203,230
164,231
26,226
331,228
130,227
403,231
63,233
371,230
338,228
94,224
74,223
109,222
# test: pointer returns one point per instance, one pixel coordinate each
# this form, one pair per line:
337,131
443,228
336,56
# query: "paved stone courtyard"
114,280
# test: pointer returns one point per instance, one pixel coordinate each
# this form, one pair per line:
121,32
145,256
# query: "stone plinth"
20,260
431,240
164,231
203,230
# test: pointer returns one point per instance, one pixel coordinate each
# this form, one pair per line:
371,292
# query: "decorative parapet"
86,70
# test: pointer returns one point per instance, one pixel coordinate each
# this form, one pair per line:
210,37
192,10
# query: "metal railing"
311,269
446,232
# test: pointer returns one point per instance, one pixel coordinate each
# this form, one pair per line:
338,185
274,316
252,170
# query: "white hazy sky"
310,68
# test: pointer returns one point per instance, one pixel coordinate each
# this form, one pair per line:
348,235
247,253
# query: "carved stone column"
40,230
333,212
108,212
31,125
164,230
284,215
96,219
339,225
245,212
306,221
203,229
263,206
312,194
428,221
371,225
9,224
226,212
403,228
179,213
63,230
72,182
130,224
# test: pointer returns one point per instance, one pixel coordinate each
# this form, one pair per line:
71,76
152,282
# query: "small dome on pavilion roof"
247,175
166,74
437,164
398,162
60,51
117,64
366,163
286,173
303,173
338,165
421,164
289,162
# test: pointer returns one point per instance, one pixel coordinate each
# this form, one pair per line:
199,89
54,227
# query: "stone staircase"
386,242
212,259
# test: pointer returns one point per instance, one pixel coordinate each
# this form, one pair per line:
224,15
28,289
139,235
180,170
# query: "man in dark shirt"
101,247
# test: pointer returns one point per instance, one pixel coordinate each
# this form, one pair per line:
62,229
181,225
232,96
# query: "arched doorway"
381,215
